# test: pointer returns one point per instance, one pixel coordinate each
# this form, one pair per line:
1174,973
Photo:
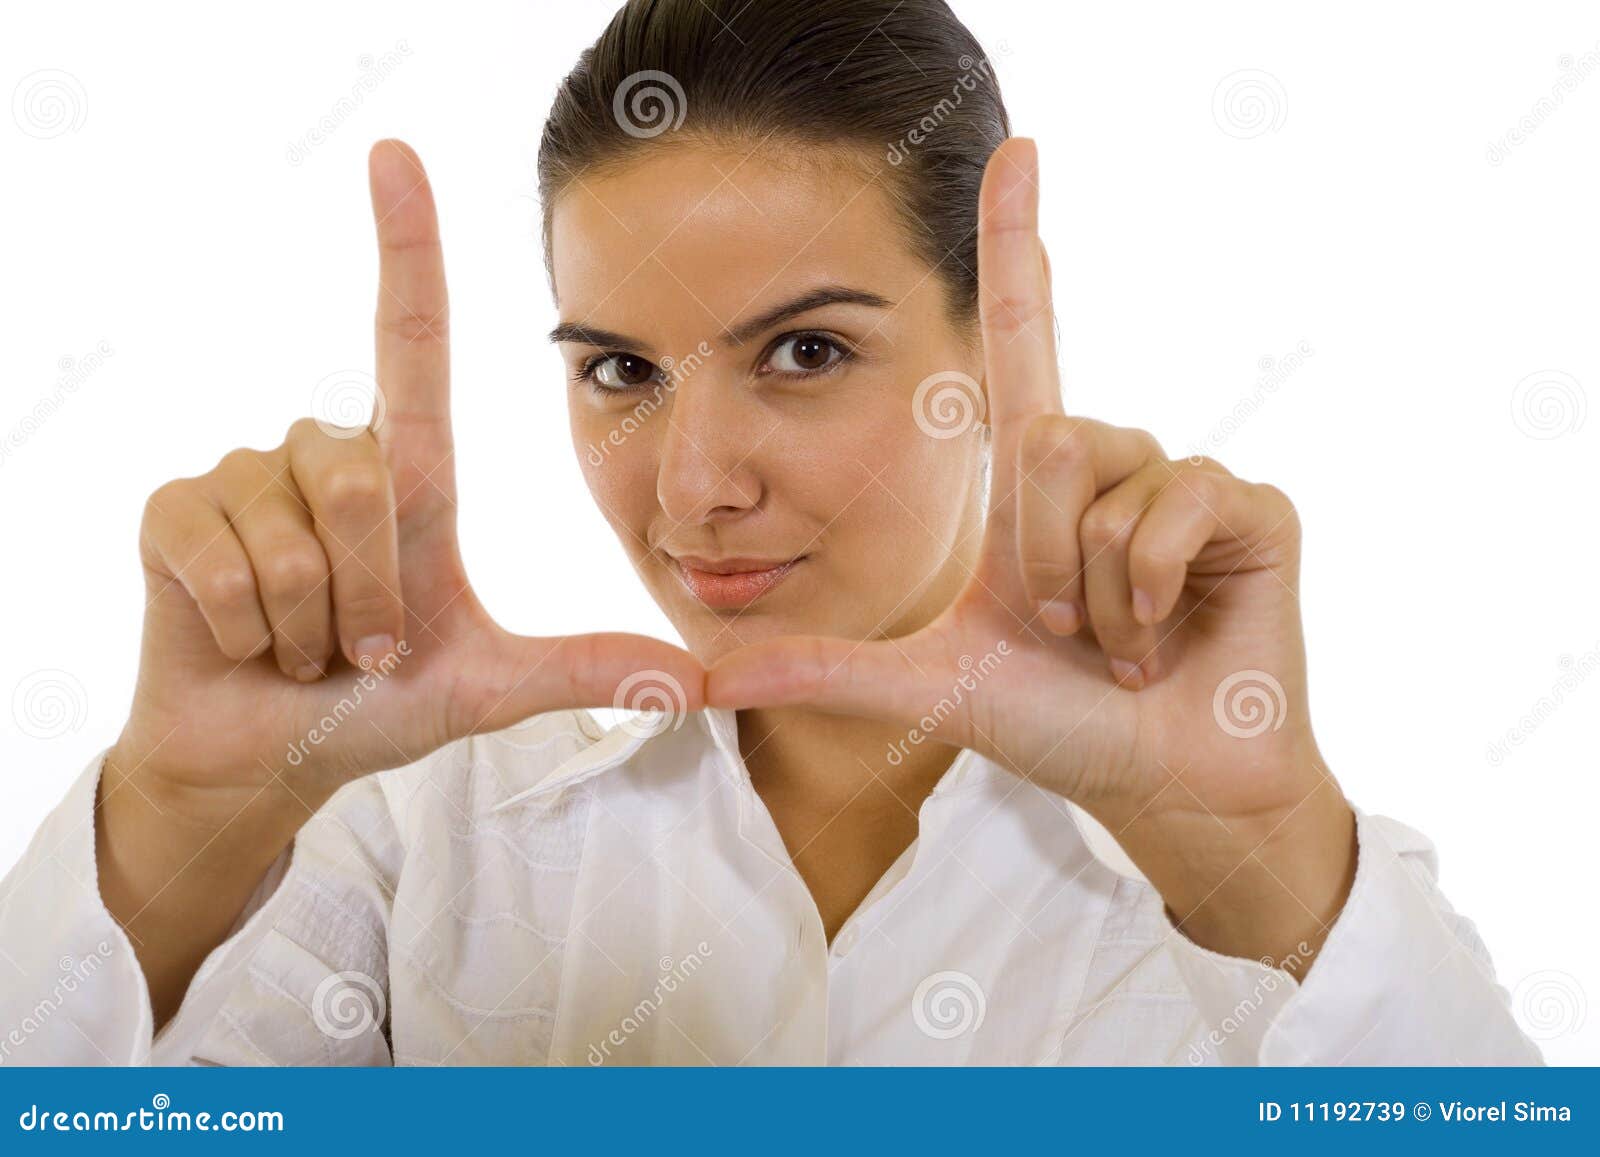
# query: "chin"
714,635
709,636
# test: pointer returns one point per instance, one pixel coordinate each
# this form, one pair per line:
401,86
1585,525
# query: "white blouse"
555,894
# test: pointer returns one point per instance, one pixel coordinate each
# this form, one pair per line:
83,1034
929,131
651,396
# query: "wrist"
192,807
1265,883
174,867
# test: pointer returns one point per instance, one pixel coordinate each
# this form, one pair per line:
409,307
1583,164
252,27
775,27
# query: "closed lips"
732,583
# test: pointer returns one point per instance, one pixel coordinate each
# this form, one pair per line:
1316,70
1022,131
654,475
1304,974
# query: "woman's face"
745,337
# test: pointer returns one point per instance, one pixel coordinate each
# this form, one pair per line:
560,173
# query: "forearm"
175,872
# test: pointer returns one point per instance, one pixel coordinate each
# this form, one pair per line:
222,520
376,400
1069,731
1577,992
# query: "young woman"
991,741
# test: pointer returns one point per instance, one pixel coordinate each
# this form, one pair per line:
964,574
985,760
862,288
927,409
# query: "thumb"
511,677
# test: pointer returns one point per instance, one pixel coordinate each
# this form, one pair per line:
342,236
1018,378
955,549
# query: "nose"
707,465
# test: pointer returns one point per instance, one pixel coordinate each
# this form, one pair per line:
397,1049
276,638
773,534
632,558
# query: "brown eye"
812,352
621,371
804,353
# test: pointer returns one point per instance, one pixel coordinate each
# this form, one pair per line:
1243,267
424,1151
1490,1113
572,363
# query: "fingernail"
373,648
1144,608
310,673
1125,672
1063,616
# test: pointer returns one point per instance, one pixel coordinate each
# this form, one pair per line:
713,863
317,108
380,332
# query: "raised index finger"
1019,345
413,326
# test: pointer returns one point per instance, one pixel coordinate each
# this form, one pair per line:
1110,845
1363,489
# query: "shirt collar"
966,770
721,726
612,748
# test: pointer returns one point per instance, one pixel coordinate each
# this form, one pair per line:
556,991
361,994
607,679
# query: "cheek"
619,467
922,484
878,477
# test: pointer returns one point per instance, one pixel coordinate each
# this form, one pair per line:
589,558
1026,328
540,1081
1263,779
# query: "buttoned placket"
758,829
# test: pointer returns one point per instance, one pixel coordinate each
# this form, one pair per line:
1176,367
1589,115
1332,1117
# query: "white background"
1448,496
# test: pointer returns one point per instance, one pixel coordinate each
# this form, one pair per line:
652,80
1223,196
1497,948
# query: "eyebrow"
572,331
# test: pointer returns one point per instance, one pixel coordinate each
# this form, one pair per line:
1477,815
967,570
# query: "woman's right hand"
320,582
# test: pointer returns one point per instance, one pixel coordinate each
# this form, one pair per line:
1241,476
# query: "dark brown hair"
901,80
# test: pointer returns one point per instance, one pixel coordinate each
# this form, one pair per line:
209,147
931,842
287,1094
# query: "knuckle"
302,430
164,498
584,660
1105,525
309,433
241,461
1205,485
240,646
1155,559
1148,442
227,586
416,325
1275,495
375,606
426,246
1010,314
1290,520
296,568
1054,567
356,486
1055,443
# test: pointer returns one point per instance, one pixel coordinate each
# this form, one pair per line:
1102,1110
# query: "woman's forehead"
724,229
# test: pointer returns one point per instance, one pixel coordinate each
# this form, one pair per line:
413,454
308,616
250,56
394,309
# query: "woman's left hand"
1130,638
